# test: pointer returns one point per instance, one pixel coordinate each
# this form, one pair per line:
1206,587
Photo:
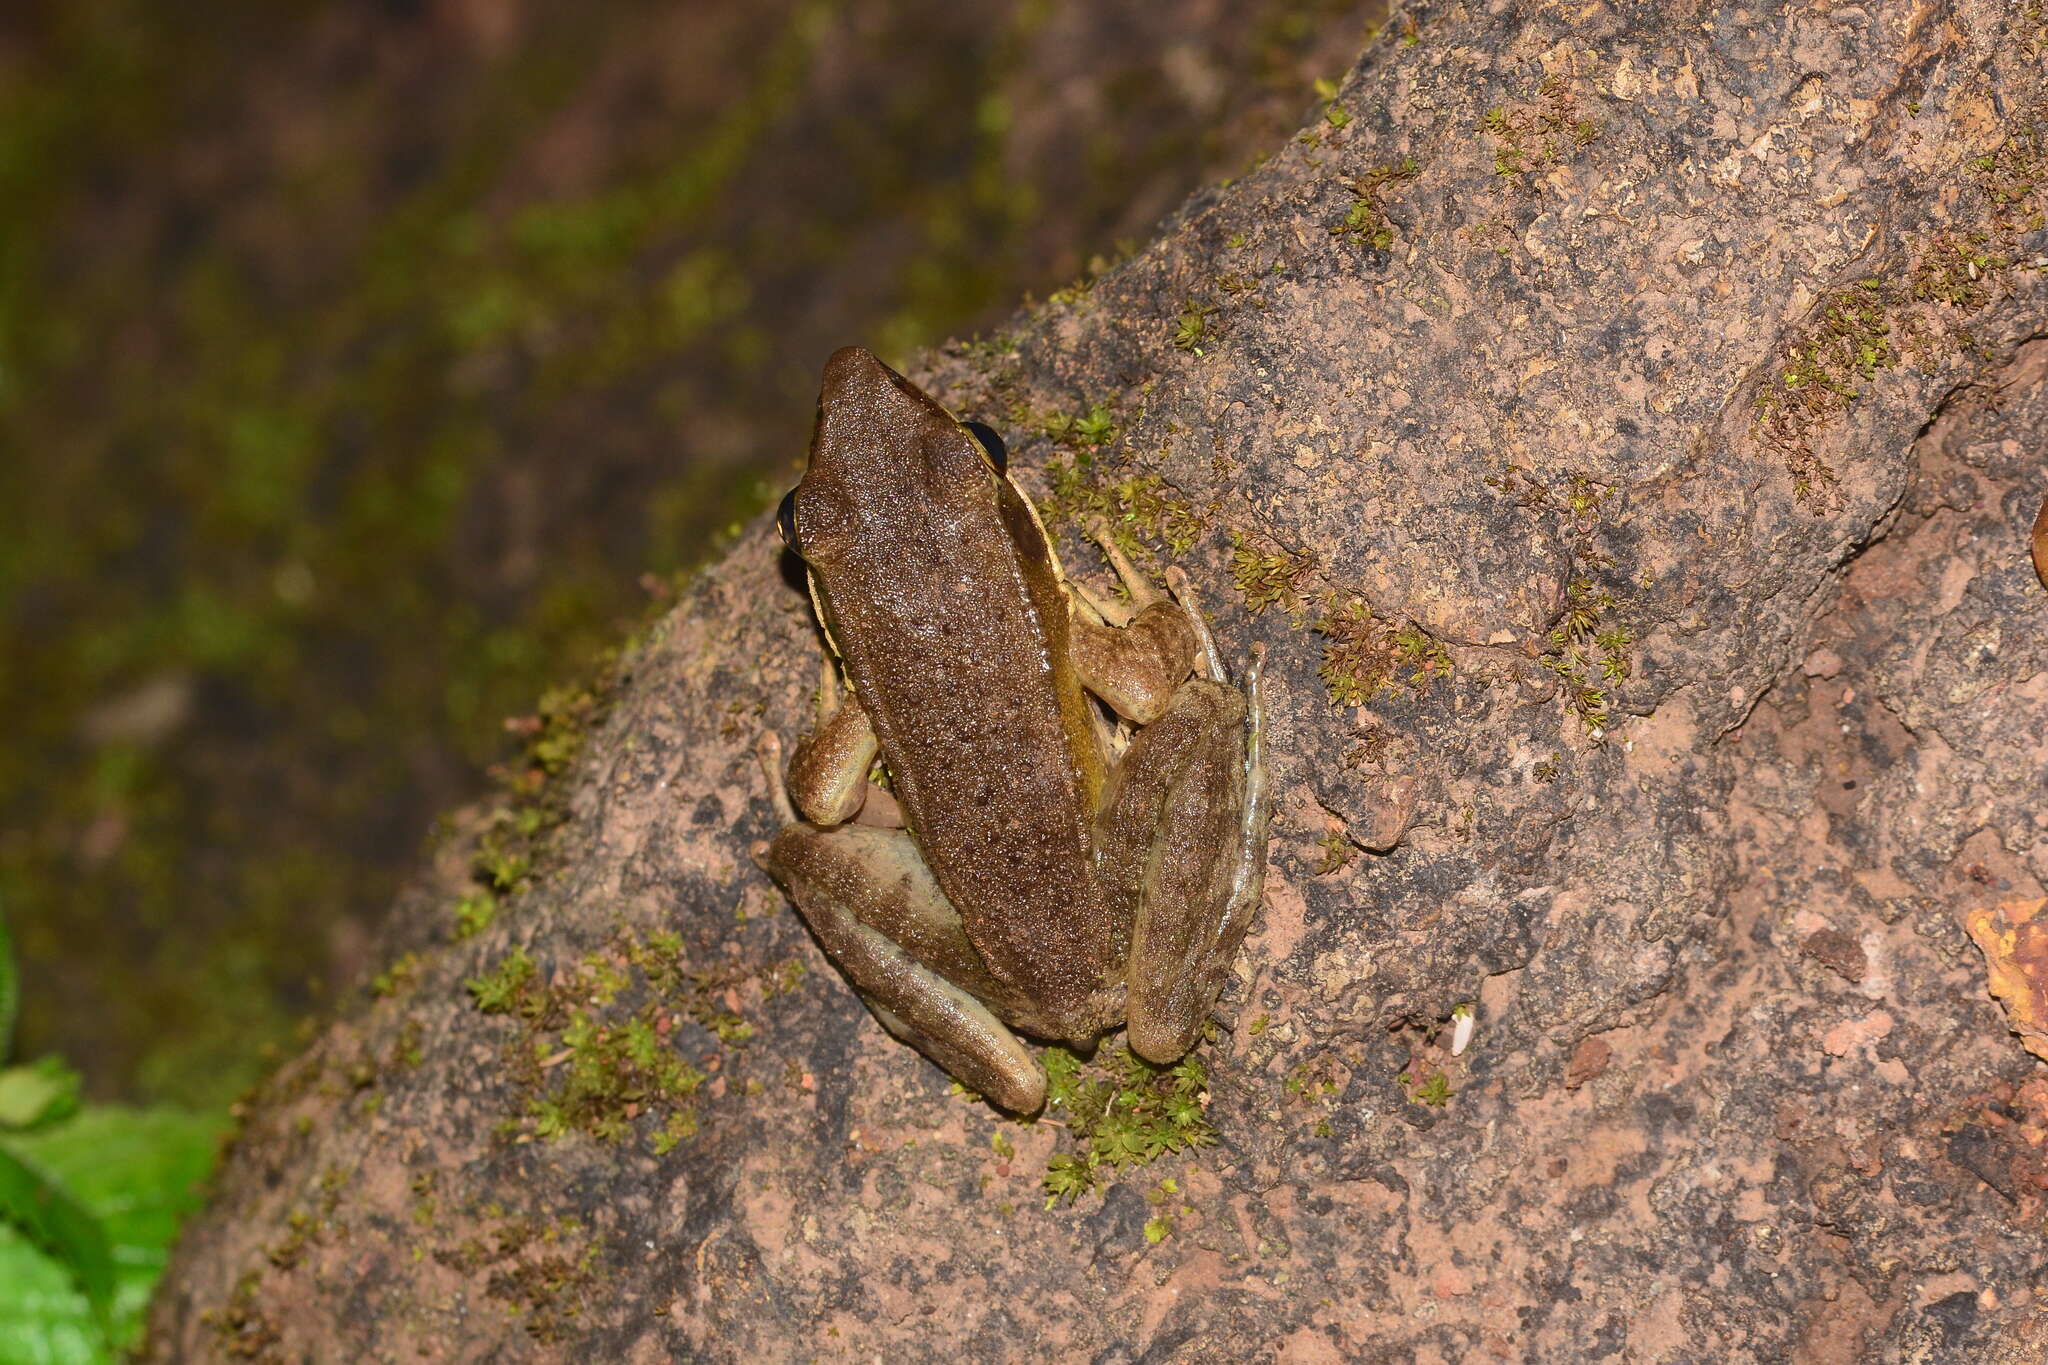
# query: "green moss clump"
1365,221
1364,654
1849,341
1268,578
1136,507
1538,135
397,977
1861,331
1589,653
505,987
598,1053
1125,1111
1433,1090
612,1073
535,802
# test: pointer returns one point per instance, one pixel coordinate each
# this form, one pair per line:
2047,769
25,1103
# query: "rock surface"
1622,425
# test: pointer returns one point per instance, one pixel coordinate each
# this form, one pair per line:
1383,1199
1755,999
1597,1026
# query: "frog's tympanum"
1042,882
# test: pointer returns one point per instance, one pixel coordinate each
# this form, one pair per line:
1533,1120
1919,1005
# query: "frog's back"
944,600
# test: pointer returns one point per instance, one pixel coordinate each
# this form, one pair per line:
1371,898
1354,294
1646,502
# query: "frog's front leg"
1133,656
828,774
868,896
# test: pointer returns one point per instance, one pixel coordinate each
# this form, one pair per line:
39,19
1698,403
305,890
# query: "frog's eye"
785,520
992,448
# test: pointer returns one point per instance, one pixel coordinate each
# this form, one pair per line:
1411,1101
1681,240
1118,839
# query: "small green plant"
1589,654
1334,113
1541,134
1849,340
474,912
499,989
1433,1089
1364,655
1337,853
1125,1111
1365,221
598,1053
397,977
1134,508
1191,327
1268,577
90,1197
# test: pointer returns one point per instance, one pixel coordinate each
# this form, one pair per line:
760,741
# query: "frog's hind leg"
875,909
1182,842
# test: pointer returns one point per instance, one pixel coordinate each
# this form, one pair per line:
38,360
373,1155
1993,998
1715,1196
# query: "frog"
1078,837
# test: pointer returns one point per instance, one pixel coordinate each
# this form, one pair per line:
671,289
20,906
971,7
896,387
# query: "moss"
1313,1082
545,1273
475,912
1268,577
1576,496
240,1329
1365,221
1433,1089
1590,655
1858,332
1365,654
407,1052
1090,486
399,976
1191,326
505,986
1539,134
1124,1112
533,800
598,1053
612,1072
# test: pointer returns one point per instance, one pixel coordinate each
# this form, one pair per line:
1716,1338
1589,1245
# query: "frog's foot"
1205,643
1182,842
866,894
1136,585
768,752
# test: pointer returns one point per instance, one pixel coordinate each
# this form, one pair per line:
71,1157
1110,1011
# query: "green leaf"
137,1173
65,1229
44,1320
42,1092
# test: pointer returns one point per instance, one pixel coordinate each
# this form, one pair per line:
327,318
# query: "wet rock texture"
1680,373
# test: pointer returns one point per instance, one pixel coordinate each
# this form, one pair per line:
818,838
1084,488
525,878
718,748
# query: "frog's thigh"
868,897
1135,668
1173,839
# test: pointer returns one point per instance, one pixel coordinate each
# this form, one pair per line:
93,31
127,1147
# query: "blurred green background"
364,367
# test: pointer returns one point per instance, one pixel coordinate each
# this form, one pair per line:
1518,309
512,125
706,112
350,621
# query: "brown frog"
1045,884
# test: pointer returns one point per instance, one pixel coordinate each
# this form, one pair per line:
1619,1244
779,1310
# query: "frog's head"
889,467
